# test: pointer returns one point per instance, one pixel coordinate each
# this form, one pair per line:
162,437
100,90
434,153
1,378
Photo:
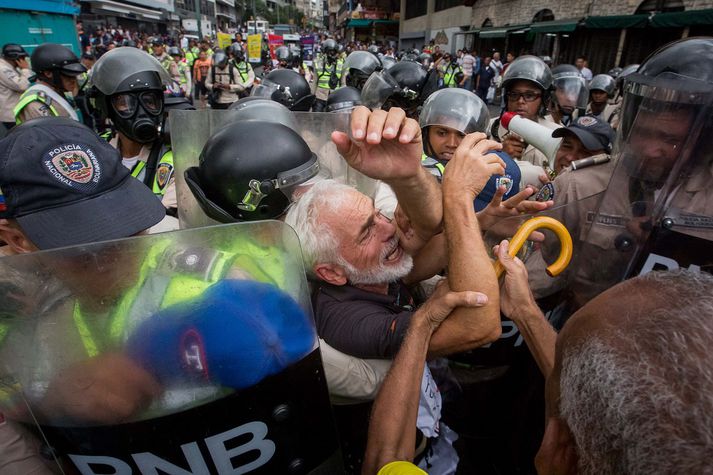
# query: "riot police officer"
288,88
358,66
239,178
569,98
657,206
328,72
406,85
526,86
14,80
128,87
183,81
56,69
247,75
601,91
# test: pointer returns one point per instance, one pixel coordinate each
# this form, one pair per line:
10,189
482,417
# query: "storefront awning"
386,22
493,33
555,26
617,21
359,23
130,11
682,19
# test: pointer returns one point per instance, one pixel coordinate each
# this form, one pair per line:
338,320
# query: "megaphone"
538,135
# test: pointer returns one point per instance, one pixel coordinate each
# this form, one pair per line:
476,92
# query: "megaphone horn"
538,135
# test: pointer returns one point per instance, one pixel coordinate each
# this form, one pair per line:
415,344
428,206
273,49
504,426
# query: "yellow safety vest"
32,95
325,74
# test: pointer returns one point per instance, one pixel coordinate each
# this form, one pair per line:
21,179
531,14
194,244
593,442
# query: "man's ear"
15,238
331,273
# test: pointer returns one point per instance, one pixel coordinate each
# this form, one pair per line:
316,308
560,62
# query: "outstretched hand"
513,206
384,145
443,301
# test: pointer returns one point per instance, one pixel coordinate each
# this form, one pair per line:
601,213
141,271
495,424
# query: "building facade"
142,15
608,33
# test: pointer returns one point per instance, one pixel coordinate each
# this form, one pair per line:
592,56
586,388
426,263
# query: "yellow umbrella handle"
541,222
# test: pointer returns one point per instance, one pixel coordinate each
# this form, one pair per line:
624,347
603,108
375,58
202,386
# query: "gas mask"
138,114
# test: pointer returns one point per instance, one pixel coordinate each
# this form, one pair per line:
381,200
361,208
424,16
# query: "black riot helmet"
570,91
13,51
425,59
173,104
220,59
359,65
344,99
330,49
407,84
248,169
529,68
174,51
128,84
282,53
264,109
614,72
629,69
236,49
57,59
387,62
676,80
603,82
287,87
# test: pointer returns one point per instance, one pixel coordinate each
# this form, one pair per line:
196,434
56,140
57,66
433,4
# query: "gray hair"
644,405
318,242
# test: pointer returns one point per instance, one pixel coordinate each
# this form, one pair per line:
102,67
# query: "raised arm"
469,267
392,430
387,146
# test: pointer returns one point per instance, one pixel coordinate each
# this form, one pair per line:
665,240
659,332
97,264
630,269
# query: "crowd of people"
434,362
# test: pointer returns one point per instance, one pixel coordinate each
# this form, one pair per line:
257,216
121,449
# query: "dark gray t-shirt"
361,323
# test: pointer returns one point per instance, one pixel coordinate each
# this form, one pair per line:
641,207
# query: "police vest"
244,69
434,167
191,272
31,96
324,76
182,70
163,174
449,76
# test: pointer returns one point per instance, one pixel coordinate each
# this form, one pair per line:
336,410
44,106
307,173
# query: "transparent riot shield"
192,129
187,352
657,212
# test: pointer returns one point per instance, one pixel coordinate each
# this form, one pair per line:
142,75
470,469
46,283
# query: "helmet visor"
378,89
456,109
571,93
274,91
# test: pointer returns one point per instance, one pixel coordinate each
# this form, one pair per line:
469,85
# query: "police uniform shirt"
43,108
606,115
13,82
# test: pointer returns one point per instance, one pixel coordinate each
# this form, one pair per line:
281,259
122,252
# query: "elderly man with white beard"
361,262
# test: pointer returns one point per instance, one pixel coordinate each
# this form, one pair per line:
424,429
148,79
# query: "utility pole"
198,19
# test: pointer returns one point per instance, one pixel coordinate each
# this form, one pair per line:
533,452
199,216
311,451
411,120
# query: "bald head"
633,378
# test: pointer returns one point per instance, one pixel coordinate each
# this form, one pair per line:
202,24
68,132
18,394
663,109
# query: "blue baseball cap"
235,334
511,181
65,186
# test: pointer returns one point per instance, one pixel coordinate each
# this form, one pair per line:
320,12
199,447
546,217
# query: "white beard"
382,274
